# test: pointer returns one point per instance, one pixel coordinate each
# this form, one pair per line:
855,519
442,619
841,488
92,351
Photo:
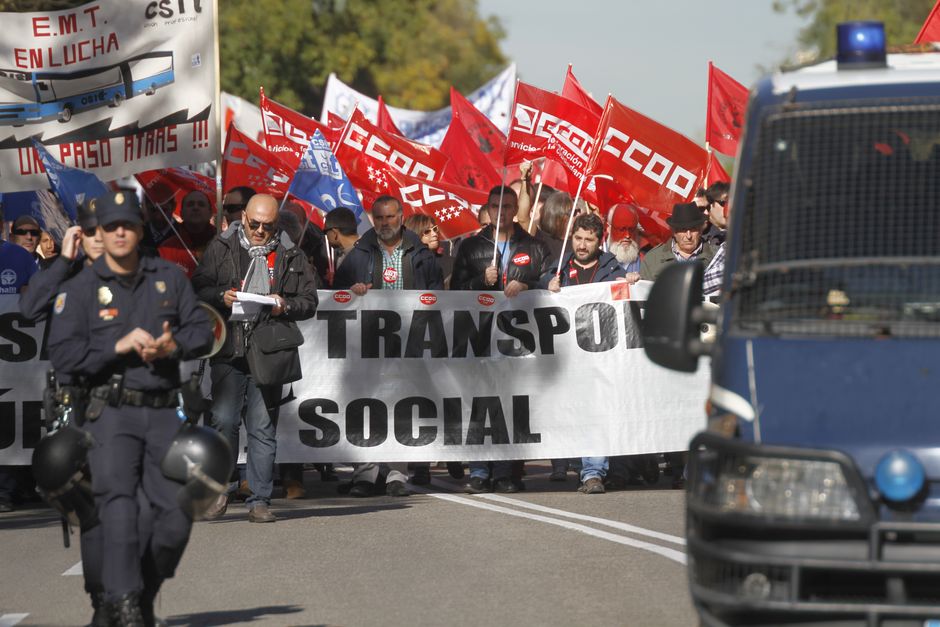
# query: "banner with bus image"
114,87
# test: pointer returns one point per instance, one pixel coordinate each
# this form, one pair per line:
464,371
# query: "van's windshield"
841,232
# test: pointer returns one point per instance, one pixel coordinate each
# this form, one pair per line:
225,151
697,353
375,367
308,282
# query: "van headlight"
787,484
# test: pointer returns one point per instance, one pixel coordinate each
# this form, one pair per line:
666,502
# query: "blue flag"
321,181
71,185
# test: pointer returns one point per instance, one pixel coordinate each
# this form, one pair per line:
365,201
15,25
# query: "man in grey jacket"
687,222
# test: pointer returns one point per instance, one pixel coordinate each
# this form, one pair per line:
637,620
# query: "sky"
651,55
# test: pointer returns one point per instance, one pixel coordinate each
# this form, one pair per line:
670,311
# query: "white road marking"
641,531
74,570
8,620
676,556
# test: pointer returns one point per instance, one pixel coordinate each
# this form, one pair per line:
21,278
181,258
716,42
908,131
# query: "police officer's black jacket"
608,269
528,260
97,307
220,269
364,264
36,301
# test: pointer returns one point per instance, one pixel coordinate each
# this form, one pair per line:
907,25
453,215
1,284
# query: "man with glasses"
253,256
717,197
234,203
26,233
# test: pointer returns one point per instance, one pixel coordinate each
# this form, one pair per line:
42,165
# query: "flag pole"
535,205
574,207
218,119
499,214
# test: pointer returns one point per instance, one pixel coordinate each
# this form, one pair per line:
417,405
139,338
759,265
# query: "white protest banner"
114,87
245,115
494,100
443,376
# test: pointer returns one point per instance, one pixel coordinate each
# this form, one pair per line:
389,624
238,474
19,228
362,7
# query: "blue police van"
813,495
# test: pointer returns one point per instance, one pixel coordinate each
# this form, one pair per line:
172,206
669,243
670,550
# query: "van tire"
65,114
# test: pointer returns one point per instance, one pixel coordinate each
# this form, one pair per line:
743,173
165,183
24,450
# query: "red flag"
246,162
468,166
930,31
162,185
547,125
715,172
287,132
364,150
335,122
384,119
727,103
573,91
655,165
452,212
484,133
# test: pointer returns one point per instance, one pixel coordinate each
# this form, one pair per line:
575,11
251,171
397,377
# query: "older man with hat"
124,323
687,222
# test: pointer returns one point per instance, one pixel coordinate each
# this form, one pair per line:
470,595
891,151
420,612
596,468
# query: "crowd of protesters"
269,248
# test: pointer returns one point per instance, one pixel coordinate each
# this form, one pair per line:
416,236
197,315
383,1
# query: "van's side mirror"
674,313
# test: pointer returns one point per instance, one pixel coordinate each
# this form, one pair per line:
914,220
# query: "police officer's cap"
87,217
116,207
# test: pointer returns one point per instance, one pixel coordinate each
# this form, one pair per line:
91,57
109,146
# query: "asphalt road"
547,556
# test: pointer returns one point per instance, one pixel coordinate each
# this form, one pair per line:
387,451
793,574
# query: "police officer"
124,323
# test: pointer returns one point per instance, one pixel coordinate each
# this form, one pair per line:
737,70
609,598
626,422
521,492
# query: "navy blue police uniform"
131,411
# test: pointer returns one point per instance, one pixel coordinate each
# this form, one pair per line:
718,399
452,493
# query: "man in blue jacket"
586,263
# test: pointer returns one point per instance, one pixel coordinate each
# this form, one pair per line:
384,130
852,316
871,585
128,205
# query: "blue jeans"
481,470
233,387
593,468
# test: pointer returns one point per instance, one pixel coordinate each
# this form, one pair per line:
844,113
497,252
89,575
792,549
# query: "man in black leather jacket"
520,261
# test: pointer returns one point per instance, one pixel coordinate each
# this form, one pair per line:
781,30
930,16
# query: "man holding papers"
258,278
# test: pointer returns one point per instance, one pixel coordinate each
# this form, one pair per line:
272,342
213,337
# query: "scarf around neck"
257,280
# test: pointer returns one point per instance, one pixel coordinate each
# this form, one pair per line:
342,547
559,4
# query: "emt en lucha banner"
443,376
114,87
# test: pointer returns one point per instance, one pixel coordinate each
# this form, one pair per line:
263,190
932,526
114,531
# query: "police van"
813,495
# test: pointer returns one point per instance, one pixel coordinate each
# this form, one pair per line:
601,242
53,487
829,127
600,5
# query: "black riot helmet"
60,468
201,459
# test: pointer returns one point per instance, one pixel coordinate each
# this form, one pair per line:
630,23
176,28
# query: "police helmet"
60,468
199,458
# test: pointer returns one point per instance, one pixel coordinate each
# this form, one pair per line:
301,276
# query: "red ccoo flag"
364,151
727,103
287,133
655,165
573,91
930,31
384,119
246,162
450,208
468,166
488,137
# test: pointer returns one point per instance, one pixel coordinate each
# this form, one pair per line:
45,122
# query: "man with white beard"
623,239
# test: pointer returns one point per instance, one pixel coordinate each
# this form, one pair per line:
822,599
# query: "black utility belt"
139,398
156,400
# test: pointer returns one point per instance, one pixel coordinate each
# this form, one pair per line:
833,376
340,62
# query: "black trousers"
130,444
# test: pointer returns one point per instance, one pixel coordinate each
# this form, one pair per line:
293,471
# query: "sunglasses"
111,227
721,203
32,232
89,231
429,230
254,225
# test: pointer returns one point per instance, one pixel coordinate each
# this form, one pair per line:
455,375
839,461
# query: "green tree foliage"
410,51
902,19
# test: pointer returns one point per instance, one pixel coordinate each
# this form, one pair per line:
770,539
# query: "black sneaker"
422,476
362,489
476,485
455,470
505,486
